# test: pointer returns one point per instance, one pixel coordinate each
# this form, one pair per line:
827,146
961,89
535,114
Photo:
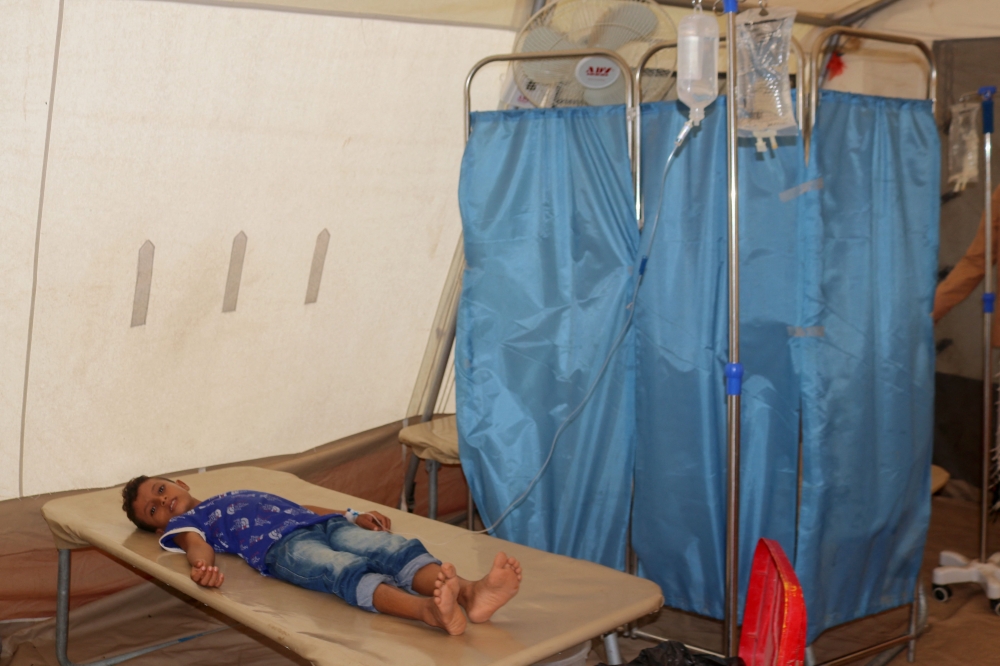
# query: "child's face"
159,500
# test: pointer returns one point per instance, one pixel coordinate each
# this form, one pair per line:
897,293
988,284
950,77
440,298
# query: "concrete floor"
962,632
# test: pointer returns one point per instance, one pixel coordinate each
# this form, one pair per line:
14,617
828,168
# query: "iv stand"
954,567
734,370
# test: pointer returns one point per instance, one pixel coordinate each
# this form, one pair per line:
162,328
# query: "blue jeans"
342,559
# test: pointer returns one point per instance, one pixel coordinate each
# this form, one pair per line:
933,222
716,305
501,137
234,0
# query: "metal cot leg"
432,488
408,483
62,608
62,624
470,516
911,647
612,650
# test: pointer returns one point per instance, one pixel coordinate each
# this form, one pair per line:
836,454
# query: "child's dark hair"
129,493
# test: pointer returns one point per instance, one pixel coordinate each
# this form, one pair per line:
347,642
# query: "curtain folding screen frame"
442,336
820,46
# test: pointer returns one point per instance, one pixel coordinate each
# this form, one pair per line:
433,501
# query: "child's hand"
206,576
375,521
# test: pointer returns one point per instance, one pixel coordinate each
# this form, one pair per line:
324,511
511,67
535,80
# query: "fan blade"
547,72
621,24
544,38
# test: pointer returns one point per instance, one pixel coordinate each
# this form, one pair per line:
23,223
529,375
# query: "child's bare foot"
444,611
494,590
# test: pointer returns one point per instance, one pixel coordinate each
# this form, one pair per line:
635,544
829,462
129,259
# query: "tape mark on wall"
235,273
143,281
316,272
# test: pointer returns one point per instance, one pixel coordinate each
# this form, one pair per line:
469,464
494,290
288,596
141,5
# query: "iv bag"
963,145
764,96
697,63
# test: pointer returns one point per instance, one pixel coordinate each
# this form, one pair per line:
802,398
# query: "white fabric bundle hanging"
963,145
764,96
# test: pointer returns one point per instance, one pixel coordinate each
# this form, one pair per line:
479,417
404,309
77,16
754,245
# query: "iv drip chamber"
698,63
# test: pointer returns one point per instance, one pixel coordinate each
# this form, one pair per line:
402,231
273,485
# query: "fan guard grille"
628,27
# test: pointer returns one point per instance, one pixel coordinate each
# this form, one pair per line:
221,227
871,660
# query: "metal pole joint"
734,378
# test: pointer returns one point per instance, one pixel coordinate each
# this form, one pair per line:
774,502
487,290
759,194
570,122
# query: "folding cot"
562,601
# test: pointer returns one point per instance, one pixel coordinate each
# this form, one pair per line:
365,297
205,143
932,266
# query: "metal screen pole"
734,370
989,299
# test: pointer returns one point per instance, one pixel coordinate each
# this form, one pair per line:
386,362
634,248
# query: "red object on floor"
774,621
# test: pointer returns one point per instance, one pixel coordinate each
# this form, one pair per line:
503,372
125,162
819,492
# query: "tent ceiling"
820,12
512,14
928,19
509,14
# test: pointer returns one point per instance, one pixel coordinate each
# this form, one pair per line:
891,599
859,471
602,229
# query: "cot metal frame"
62,623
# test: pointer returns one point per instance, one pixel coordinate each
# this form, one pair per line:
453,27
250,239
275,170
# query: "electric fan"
628,27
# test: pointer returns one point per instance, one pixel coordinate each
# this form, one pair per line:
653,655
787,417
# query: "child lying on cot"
344,553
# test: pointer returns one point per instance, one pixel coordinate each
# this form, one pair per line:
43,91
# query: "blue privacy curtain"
867,382
682,348
838,264
550,240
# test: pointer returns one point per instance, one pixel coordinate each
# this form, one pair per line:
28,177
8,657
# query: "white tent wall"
185,125
893,70
27,39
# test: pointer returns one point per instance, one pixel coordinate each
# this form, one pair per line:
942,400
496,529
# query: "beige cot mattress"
562,601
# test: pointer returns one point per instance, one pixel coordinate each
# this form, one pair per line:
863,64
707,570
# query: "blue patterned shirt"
241,522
